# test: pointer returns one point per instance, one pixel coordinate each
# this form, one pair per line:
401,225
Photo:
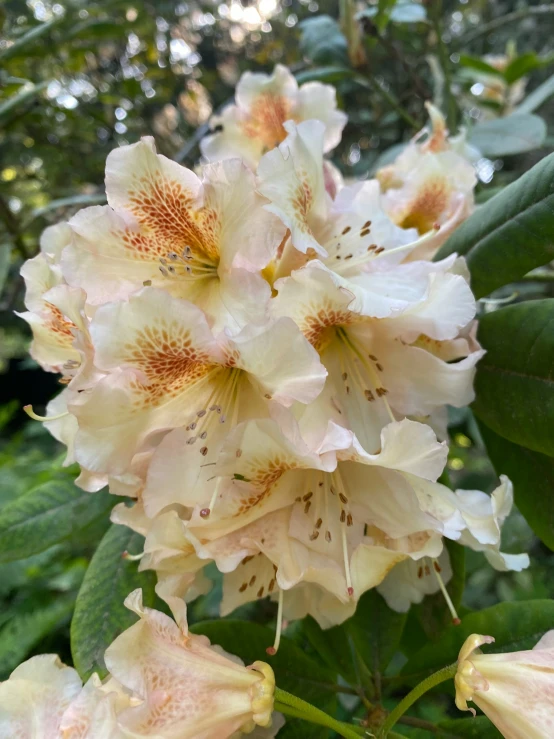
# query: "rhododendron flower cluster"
260,357
164,683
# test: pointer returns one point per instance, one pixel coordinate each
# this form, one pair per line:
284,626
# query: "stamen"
456,620
273,650
30,412
205,512
349,588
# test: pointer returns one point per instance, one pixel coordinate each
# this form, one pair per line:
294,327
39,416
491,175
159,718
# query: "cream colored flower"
203,239
165,369
430,184
187,689
255,124
515,690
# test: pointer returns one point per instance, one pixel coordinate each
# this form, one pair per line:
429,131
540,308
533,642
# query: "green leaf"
322,41
511,234
324,74
515,134
376,631
53,512
100,615
333,647
479,727
22,44
294,671
536,98
24,630
433,612
532,474
525,64
25,95
476,63
515,626
514,384
74,200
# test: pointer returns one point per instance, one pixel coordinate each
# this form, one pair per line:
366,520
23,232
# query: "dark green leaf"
511,234
514,384
524,64
294,671
515,134
100,615
515,626
333,647
479,727
376,631
433,612
25,95
322,41
532,474
24,630
51,513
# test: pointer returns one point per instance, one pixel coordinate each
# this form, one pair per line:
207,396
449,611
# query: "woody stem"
295,707
437,677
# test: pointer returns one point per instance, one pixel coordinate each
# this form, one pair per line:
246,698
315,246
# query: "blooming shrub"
259,357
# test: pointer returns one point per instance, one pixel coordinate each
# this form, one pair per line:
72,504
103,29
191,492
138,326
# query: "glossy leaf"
514,134
100,615
51,513
532,474
514,384
511,234
525,64
294,671
515,626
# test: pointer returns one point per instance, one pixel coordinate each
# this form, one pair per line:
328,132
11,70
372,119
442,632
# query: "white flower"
430,184
255,124
165,369
205,240
515,690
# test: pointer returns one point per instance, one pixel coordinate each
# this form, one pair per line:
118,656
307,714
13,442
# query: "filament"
30,412
456,620
273,650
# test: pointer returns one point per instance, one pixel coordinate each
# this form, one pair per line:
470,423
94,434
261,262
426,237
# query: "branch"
503,20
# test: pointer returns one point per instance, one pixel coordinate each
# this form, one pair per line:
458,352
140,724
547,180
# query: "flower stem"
437,677
436,11
295,707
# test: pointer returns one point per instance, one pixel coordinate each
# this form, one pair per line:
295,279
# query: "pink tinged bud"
515,690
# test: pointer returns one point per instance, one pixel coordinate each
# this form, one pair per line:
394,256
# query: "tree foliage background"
80,78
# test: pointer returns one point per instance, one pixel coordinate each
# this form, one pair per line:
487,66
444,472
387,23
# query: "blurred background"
80,78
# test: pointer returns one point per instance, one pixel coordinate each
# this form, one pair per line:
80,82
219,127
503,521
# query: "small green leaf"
532,474
514,626
525,64
511,234
515,134
479,65
294,671
53,512
514,385
100,615
479,727
333,647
